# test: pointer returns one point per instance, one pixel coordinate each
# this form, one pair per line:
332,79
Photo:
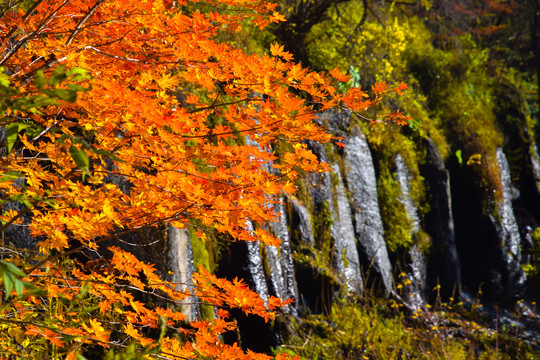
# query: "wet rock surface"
362,184
444,266
416,266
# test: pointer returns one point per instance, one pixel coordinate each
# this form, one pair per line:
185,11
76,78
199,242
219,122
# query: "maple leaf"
277,17
131,331
96,329
399,89
279,50
380,88
338,75
168,94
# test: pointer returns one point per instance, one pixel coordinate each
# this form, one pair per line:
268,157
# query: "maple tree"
122,115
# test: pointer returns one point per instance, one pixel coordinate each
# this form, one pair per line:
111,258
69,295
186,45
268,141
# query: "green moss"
388,141
460,96
323,221
397,226
201,255
379,330
452,100
265,261
302,192
319,258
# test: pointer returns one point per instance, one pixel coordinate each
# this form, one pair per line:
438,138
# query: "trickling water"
416,272
281,263
255,266
342,233
302,221
254,262
362,183
404,179
416,267
508,229
329,195
181,264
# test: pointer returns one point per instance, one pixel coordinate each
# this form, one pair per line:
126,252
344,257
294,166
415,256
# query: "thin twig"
83,20
13,219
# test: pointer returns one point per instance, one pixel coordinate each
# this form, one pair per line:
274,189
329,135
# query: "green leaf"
12,268
34,290
163,327
39,80
8,282
4,79
33,131
83,292
66,95
21,198
88,310
105,153
13,132
78,88
10,176
53,203
459,158
78,74
80,158
18,287
58,75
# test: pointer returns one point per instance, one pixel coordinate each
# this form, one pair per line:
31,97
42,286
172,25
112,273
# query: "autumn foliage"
122,115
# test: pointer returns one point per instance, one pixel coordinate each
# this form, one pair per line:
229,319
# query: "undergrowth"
386,329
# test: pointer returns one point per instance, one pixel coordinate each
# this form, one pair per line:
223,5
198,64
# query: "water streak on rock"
181,264
416,267
302,221
508,230
404,179
281,263
342,233
255,266
362,183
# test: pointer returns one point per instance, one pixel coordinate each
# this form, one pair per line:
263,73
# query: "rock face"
404,179
327,252
254,267
282,275
444,267
19,234
331,205
181,263
244,260
416,266
487,234
362,184
332,242
301,223
342,234
508,232
302,240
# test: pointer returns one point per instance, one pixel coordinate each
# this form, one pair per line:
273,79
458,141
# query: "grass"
386,329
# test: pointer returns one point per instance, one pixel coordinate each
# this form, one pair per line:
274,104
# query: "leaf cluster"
169,124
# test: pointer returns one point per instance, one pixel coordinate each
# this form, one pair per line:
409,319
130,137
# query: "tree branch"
83,20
